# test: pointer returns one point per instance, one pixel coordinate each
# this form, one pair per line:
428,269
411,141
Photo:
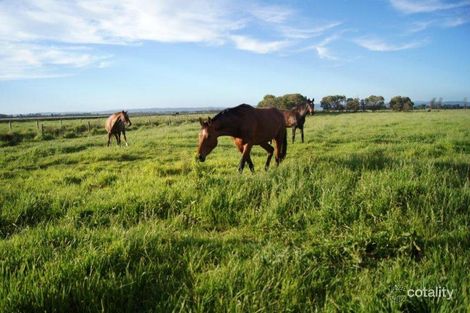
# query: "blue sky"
90,55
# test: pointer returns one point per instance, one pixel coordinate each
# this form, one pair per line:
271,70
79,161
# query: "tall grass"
369,203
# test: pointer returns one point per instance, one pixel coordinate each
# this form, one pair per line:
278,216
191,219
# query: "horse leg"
250,164
125,139
245,156
293,133
302,133
109,138
117,138
270,150
280,142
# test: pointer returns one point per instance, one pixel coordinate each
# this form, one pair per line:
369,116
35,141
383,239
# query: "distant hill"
143,111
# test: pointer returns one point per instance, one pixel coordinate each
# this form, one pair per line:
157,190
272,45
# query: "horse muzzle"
201,158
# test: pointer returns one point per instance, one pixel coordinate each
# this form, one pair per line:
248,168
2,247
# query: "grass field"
370,206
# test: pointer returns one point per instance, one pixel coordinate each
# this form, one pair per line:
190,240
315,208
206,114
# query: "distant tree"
335,103
363,105
284,102
268,101
326,103
399,103
352,104
374,103
432,104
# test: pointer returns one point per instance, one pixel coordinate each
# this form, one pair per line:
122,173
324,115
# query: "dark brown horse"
116,124
248,127
295,117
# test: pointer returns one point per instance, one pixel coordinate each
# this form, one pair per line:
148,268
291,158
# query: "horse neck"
225,126
302,110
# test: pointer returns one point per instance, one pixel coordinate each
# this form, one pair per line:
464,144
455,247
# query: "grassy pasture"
373,204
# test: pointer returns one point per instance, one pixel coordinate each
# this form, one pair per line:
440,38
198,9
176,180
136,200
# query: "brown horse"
295,117
248,127
115,125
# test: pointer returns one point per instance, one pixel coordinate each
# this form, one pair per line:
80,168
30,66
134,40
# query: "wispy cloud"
379,45
455,21
271,14
443,22
21,60
114,22
419,26
322,47
426,6
254,45
311,32
30,24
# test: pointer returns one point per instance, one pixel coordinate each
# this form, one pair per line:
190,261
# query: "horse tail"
284,145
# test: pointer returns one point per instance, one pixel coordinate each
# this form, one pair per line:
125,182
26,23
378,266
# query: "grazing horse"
248,127
115,125
295,117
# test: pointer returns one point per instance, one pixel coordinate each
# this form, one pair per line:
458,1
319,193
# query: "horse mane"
232,112
116,117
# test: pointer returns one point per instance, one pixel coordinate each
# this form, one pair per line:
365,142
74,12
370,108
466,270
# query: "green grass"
371,201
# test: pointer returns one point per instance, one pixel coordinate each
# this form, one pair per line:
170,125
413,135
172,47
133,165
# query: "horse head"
311,106
125,118
207,139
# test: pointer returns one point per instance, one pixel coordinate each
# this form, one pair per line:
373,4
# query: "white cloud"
45,31
455,21
322,49
111,22
257,46
375,44
324,53
311,32
419,26
20,61
271,14
426,6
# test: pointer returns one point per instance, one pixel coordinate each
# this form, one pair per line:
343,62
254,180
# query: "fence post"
42,129
9,125
61,123
89,127
37,124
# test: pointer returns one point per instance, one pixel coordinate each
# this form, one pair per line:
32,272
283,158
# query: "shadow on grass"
374,161
138,273
460,168
29,214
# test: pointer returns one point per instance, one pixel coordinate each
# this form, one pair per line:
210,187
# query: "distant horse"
295,117
115,125
248,127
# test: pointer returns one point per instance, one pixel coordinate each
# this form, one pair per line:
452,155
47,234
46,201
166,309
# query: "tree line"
339,103
285,102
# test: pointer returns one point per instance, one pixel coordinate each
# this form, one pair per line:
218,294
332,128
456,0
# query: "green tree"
353,104
374,103
268,101
284,102
400,103
335,103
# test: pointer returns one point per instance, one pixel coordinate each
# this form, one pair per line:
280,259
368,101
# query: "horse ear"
209,120
201,121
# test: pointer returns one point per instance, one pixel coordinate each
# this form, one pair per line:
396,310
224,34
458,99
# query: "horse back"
112,123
